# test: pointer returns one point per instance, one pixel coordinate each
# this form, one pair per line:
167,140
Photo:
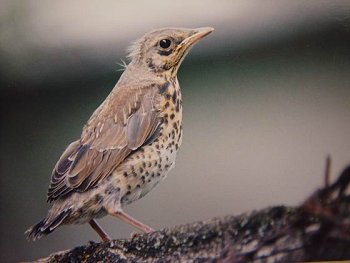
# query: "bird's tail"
46,225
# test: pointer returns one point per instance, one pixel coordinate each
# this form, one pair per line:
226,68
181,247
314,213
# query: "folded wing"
122,124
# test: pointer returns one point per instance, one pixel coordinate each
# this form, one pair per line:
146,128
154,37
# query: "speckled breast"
144,169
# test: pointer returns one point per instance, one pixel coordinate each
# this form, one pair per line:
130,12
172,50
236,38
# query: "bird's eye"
165,43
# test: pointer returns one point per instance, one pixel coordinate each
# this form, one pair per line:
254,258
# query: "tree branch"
317,230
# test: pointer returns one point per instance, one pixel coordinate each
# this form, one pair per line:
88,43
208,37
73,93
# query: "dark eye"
165,43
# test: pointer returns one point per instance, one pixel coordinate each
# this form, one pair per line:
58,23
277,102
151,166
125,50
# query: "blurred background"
266,98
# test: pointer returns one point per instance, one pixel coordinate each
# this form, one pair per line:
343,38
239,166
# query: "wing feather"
122,124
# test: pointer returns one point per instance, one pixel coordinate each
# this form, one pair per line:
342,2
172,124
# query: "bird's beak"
197,35
182,49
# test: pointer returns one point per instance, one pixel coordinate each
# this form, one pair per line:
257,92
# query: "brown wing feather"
123,123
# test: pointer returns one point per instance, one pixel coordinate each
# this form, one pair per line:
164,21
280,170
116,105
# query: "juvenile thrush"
129,144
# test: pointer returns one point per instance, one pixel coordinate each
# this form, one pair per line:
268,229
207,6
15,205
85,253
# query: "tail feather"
46,226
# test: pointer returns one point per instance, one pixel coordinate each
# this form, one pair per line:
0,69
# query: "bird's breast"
170,108
148,165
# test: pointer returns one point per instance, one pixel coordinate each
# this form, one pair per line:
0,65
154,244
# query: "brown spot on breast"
177,106
174,97
167,96
175,126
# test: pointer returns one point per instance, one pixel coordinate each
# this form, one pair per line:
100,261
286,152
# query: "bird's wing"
125,121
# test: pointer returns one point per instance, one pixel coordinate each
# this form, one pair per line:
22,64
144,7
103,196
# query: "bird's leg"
131,221
104,236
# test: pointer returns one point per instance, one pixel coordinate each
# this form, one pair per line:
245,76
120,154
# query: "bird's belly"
148,167
145,168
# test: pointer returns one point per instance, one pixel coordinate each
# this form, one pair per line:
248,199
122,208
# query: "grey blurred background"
266,98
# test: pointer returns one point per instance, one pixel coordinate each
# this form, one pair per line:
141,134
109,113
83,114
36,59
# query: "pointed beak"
182,49
197,35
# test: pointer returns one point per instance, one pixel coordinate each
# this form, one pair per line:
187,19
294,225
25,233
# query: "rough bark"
319,229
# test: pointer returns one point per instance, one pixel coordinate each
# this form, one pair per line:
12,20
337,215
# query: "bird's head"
163,50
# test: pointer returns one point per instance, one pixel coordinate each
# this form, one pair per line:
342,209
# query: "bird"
130,142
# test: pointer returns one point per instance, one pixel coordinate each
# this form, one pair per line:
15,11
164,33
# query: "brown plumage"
119,126
129,143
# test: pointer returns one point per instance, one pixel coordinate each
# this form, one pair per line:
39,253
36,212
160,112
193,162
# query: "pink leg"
104,236
132,221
